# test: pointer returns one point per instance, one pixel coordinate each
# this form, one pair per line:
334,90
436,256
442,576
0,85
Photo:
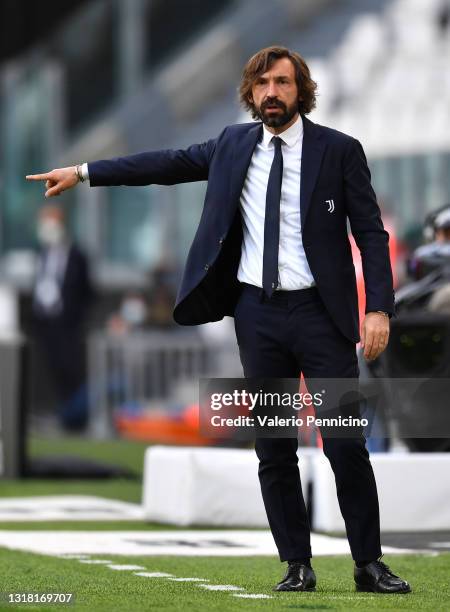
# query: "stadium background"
83,80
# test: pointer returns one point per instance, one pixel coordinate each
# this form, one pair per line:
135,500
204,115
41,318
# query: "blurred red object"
163,427
393,251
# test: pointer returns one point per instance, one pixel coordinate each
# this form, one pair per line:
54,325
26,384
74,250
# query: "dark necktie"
272,221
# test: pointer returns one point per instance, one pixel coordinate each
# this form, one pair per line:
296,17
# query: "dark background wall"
24,22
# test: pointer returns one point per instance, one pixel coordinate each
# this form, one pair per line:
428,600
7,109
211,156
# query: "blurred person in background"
443,17
162,296
131,316
442,227
61,296
143,310
435,254
272,250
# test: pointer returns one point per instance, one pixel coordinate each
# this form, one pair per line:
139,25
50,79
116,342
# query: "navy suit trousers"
281,337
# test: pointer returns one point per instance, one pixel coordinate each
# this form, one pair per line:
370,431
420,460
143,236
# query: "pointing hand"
57,180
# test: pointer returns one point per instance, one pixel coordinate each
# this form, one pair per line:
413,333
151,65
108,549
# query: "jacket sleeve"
165,167
368,230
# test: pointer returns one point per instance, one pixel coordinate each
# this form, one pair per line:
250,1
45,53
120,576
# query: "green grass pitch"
101,588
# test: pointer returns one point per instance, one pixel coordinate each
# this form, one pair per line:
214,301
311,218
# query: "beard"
278,119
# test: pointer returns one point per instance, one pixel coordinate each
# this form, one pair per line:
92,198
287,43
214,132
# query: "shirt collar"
290,137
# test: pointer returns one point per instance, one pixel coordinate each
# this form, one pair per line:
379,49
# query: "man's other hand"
57,180
374,334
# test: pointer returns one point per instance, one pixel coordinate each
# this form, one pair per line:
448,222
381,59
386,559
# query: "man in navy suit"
272,250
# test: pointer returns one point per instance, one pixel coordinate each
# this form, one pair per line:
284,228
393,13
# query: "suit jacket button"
221,241
206,267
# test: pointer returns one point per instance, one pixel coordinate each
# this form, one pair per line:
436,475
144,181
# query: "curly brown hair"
263,61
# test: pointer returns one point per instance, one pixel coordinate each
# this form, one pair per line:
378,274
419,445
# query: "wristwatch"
79,173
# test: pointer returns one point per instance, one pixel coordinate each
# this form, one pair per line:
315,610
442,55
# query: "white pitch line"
95,561
73,556
215,543
252,595
153,574
221,587
432,553
125,567
353,597
189,579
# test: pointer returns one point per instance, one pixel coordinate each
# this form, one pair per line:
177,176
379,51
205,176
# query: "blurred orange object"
159,426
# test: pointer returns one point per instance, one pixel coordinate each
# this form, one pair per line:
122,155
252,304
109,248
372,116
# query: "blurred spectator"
61,296
440,300
138,311
162,296
442,226
131,316
443,16
433,255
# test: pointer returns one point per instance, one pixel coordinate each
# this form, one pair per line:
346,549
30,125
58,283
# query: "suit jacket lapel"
242,155
312,151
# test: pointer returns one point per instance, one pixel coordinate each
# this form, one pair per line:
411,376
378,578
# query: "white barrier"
205,486
413,490
219,486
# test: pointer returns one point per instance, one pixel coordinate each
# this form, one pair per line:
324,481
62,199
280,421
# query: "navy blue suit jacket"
333,167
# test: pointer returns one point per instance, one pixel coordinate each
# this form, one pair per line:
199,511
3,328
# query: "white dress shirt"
85,171
293,268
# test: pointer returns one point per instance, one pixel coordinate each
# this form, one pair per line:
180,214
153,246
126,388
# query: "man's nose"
272,91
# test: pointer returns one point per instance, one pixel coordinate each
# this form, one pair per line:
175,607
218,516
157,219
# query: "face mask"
50,232
133,311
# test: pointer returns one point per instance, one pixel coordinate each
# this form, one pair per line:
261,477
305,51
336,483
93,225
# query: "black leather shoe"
376,577
299,577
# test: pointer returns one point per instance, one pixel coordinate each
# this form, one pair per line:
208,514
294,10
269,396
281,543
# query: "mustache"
273,102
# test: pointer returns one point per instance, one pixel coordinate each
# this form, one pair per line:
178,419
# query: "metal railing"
141,368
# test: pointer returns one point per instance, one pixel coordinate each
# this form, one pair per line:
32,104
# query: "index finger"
38,177
368,344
